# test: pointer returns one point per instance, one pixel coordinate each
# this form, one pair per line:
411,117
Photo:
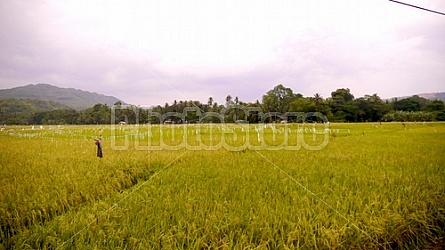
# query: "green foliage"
340,107
278,99
302,105
99,114
440,116
414,103
370,108
55,117
436,105
22,111
342,96
408,116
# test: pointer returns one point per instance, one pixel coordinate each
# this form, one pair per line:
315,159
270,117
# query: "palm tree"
215,107
375,99
236,109
318,100
175,105
229,100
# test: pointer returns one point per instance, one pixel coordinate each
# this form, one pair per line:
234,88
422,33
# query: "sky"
152,52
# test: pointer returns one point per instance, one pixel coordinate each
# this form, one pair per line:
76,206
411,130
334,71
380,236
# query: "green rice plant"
371,186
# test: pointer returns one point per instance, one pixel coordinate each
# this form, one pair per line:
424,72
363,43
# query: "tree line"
341,106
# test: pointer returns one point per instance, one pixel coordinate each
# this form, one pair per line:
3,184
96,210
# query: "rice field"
223,186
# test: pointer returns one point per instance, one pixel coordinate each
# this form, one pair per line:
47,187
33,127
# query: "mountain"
433,96
429,96
73,98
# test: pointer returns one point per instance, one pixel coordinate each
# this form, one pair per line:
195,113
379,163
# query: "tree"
215,107
59,116
408,116
318,101
363,109
99,113
302,105
413,103
437,108
370,108
229,101
340,109
436,105
343,95
175,106
350,112
278,99
378,108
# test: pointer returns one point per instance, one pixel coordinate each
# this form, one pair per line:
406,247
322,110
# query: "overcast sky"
152,52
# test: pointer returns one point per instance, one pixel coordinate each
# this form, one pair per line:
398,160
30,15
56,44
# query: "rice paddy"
223,186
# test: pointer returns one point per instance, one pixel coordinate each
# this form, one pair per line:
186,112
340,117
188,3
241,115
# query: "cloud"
152,53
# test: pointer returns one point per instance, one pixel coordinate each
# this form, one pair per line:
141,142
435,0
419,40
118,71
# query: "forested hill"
21,111
30,105
340,106
429,96
73,98
434,96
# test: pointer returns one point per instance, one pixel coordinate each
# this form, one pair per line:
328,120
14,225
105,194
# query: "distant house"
122,123
241,121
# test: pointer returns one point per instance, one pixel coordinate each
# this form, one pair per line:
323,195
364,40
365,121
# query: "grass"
370,187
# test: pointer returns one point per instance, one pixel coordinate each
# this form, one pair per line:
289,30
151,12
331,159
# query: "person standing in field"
99,146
